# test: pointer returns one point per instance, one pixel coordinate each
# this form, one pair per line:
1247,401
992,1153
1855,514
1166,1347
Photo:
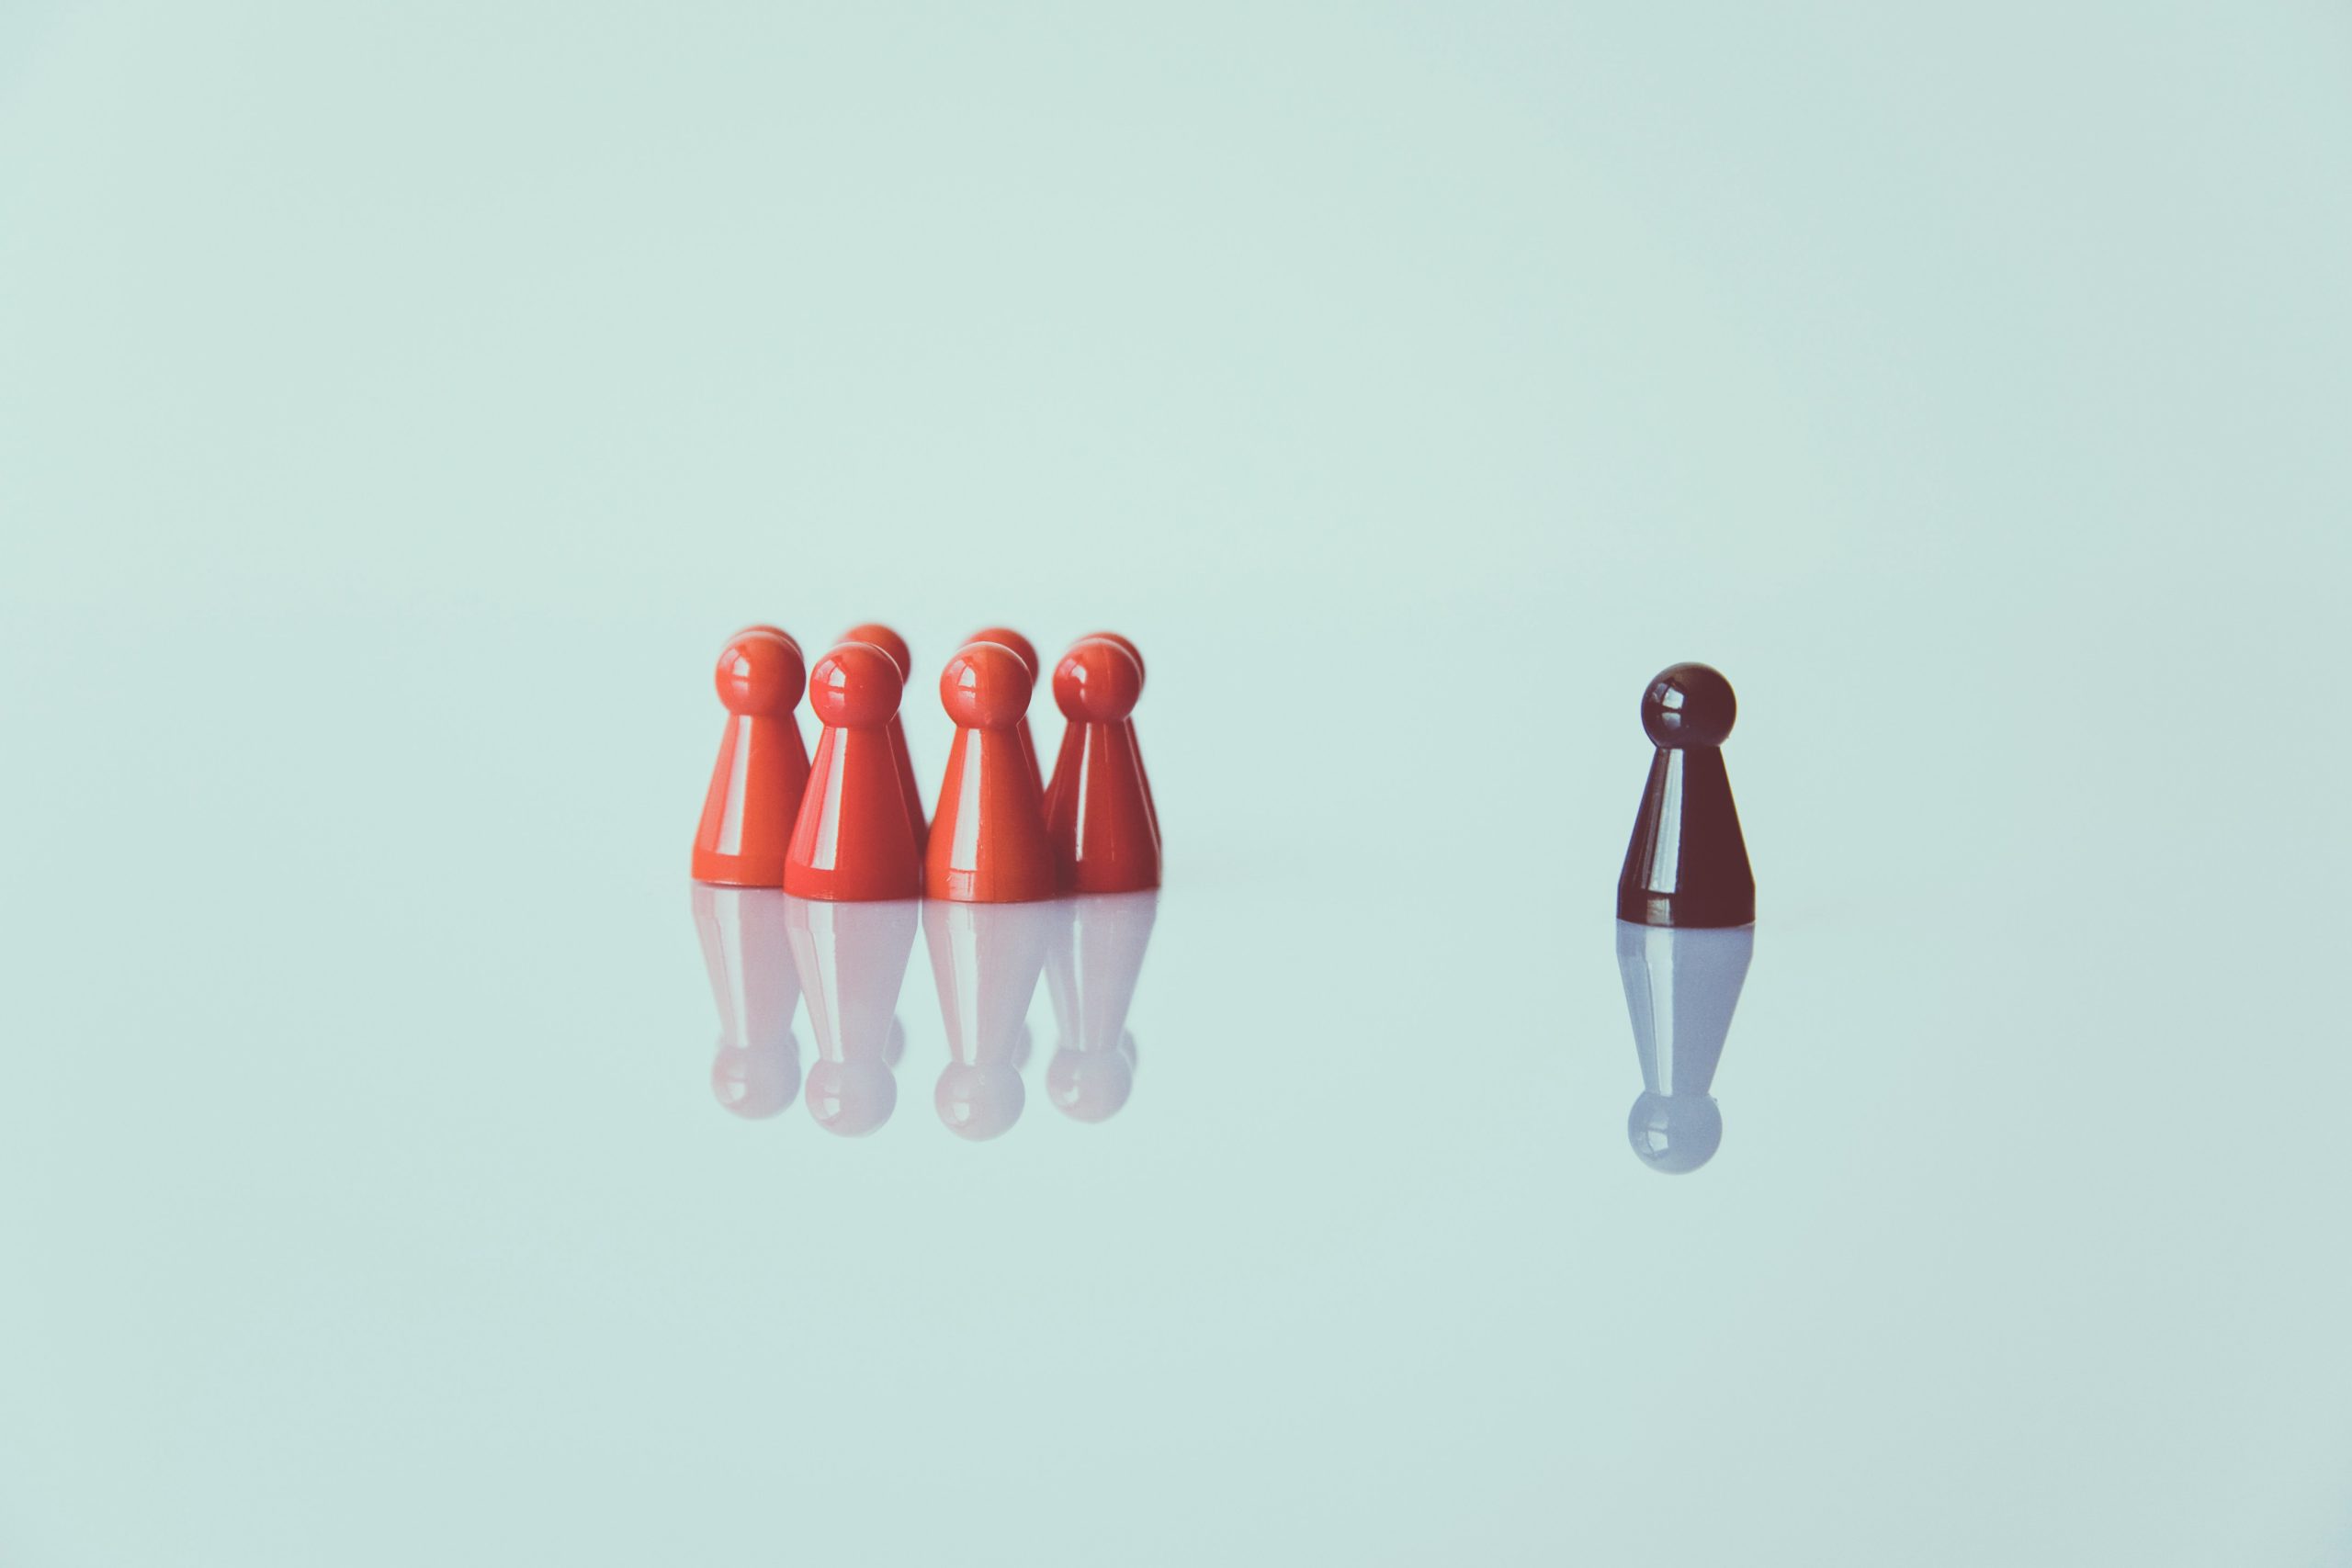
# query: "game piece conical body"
1687,864
1098,810
988,844
762,768
852,840
1681,986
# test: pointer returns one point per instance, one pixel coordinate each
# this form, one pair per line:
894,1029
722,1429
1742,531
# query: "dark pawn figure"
1688,865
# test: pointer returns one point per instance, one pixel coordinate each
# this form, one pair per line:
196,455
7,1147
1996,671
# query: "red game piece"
763,767
985,959
1137,654
894,644
989,845
1098,813
852,839
1028,652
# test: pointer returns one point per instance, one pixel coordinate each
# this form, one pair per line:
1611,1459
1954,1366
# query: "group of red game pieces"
850,826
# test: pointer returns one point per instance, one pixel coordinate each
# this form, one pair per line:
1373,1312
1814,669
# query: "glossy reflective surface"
397,402
767,951
1682,985
755,984
1091,973
850,959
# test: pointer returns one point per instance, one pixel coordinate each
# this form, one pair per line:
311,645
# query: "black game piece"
1687,864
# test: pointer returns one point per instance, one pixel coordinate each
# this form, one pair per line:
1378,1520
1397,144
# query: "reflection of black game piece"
853,960
756,985
1687,864
985,959
1091,973
1682,984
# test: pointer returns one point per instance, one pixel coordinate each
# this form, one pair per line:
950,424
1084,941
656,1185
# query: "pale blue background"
399,403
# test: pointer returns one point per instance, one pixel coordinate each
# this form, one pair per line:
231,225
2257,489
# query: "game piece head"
855,686
760,672
852,1097
1090,1086
885,639
1133,651
1689,705
773,631
985,686
979,1100
1098,682
1006,638
1675,1133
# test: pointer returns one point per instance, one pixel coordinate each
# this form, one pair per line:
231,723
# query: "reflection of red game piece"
852,839
894,644
763,767
853,960
1098,814
1090,972
985,959
1028,652
756,985
1137,654
989,845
